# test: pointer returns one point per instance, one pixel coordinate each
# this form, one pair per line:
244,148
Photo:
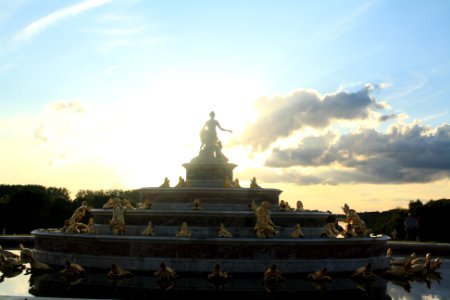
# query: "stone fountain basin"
200,254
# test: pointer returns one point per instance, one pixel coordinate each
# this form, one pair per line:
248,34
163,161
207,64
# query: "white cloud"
43,23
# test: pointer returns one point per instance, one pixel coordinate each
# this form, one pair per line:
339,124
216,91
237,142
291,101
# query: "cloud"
281,116
43,23
68,106
409,153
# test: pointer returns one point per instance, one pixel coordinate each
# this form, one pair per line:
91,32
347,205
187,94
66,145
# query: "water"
95,284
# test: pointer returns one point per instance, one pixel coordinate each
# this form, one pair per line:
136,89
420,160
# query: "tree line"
24,208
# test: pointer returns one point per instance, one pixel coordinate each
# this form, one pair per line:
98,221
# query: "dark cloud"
385,118
405,154
281,116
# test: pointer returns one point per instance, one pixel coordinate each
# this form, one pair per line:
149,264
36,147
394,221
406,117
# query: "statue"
236,183
117,223
226,182
127,204
184,230
91,226
165,273
211,146
273,278
166,183
223,232
253,184
74,224
252,205
352,217
284,206
218,278
264,226
297,233
197,205
181,182
299,206
147,204
112,202
330,230
117,272
79,213
149,230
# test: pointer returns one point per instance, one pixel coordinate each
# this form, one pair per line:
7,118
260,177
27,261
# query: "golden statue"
147,204
226,182
319,276
166,183
117,223
112,202
127,204
252,205
117,272
79,213
297,233
149,230
184,230
218,278
264,226
299,206
352,217
284,206
223,232
181,182
91,226
253,184
165,273
197,205
273,278
236,183
330,229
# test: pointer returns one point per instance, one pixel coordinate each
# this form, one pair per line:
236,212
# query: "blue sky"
330,101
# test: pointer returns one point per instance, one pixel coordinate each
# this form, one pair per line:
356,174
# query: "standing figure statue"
211,145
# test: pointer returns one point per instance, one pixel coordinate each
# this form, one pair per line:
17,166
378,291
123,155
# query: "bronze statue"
226,182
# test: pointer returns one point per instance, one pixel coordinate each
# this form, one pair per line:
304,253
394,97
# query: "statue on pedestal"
211,145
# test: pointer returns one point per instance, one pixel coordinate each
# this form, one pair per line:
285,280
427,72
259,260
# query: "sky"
331,102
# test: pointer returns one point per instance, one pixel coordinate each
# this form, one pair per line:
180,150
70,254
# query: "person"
411,227
208,133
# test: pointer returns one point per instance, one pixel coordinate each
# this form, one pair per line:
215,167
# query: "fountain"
205,220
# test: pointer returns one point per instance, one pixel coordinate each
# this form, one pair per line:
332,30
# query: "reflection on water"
95,284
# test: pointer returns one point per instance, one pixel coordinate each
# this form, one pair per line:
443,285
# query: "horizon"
331,103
